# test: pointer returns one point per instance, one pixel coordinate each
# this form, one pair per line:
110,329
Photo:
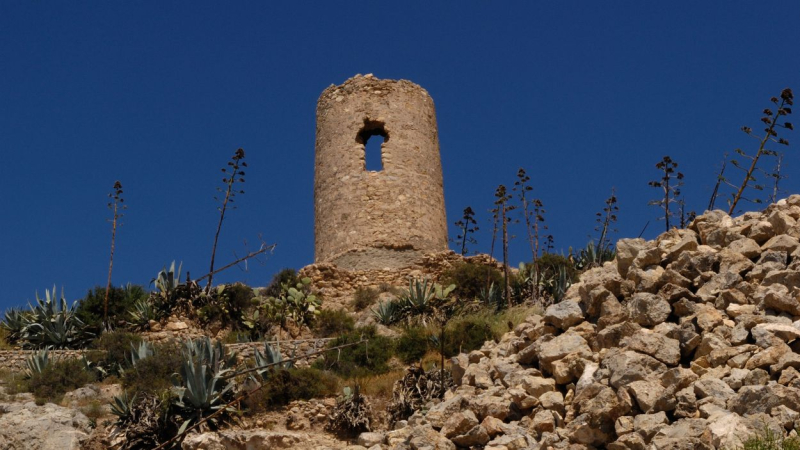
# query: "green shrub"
56,379
770,440
296,303
471,278
506,320
241,337
286,277
286,385
152,374
120,301
413,344
363,298
386,287
464,334
114,350
550,264
554,274
230,305
333,322
94,410
359,360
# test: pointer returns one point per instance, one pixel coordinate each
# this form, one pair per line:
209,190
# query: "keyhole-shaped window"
372,136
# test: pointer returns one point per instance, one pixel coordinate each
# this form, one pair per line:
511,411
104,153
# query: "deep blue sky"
585,95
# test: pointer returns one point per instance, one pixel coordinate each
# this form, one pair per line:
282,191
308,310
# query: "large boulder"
26,426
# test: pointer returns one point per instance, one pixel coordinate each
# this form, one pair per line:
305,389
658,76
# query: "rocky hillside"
688,341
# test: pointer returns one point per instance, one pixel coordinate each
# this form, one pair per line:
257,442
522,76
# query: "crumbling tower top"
386,218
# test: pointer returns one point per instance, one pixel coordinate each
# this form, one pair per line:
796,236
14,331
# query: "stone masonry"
377,219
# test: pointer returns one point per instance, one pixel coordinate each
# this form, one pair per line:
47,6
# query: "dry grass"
93,409
378,386
12,381
433,359
4,345
515,316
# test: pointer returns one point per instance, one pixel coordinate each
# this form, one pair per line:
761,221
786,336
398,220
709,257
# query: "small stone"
368,439
553,401
543,421
176,326
459,423
648,309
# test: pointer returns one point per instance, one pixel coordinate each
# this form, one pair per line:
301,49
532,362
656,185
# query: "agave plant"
166,281
203,386
592,256
145,350
417,387
418,301
561,284
14,323
90,366
52,323
200,392
36,363
213,354
148,423
386,313
351,414
121,406
142,313
272,357
492,296
418,297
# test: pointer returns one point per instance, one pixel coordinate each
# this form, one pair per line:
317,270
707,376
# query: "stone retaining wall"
336,285
14,360
289,349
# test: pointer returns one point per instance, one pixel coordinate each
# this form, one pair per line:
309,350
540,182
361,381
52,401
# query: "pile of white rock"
689,341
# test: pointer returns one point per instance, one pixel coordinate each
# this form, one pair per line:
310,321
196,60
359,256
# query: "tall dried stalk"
503,208
467,225
233,174
770,134
116,205
670,184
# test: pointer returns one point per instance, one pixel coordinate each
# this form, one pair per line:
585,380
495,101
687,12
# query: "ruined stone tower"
368,219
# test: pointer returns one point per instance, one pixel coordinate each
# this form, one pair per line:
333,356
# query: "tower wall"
377,219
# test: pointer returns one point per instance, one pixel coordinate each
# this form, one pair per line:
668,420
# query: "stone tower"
388,218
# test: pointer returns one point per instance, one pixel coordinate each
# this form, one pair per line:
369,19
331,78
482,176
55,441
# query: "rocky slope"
688,341
27,426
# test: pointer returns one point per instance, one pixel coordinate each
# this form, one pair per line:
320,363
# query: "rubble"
691,340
